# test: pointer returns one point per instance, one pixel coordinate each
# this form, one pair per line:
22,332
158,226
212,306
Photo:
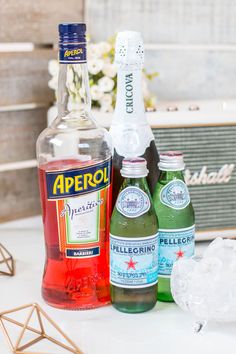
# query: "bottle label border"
70,183
72,53
144,198
167,256
164,191
140,283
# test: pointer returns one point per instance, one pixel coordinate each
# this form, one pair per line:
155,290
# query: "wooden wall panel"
192,74
18,134
19,194
165,21
36,20
24,81
24,77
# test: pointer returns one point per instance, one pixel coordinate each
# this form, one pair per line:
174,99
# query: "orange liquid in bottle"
73,283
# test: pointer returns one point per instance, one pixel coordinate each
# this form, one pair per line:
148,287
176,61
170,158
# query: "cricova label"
174,245
133,202
81,203
175,195
133,261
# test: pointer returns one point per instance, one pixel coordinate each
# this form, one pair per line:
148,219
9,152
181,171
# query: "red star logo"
131,264
179,254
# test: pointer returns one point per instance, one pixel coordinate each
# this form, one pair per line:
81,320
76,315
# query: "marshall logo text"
223,175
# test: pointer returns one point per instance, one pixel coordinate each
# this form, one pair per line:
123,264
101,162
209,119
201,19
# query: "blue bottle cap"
72,32
72,43
72,28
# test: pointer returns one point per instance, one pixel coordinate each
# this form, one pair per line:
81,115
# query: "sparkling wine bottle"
131,133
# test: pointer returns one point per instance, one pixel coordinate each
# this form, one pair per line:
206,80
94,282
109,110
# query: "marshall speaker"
206,133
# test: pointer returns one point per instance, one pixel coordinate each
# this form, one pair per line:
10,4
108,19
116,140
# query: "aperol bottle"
74,158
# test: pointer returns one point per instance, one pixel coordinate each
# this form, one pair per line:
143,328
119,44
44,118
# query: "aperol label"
75,182
82,216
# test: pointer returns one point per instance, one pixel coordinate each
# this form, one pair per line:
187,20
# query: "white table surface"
164,330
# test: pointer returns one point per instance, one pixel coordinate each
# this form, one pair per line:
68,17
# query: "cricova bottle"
176,219
74,159
131,133
134,242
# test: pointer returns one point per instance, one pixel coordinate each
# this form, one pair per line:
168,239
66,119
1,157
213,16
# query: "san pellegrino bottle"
134,242
131,133
176,219
74,158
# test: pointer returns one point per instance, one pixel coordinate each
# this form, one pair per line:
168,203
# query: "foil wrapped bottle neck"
129,50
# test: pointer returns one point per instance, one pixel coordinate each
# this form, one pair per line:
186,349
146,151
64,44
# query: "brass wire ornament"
6,262
16,345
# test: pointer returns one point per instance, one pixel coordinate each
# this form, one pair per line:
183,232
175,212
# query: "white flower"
106,84
106,99
106,103
53,67
73,105
96,92
94,66
104,47
69,76
146,92
82,92
72,87
109,70
93,51
106,108
53,83
77,69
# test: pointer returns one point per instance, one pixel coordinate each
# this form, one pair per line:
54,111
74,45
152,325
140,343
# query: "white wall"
191,43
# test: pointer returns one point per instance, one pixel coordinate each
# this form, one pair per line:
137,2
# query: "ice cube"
206,287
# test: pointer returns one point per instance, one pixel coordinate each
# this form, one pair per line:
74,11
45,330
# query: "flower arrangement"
102,78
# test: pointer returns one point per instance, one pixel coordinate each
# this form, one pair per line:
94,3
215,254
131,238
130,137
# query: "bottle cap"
129,48
72,43
134,167
171,161
72,32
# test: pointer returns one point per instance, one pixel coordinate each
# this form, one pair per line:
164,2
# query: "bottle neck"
73,91
129,101
139,182
168,176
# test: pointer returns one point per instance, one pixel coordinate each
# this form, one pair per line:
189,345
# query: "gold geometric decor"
33,330
7,264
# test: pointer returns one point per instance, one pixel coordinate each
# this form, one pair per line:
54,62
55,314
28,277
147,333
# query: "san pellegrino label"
174,245
175,195
133,202
133,261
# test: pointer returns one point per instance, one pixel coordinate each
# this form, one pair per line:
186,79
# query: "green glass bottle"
134,242
176,219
